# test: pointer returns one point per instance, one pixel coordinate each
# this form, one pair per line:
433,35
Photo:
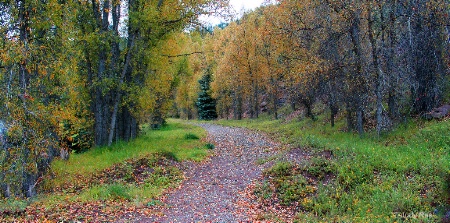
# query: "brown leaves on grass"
130,172
287,188
270,208
96,211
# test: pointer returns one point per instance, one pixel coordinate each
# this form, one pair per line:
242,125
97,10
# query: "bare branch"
182,55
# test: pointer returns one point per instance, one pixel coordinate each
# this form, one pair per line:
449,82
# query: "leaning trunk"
119,91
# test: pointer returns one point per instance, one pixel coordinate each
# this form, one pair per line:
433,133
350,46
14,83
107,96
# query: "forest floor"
214,191
219,188
260,170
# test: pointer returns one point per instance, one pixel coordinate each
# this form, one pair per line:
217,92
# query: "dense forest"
77,74
378,61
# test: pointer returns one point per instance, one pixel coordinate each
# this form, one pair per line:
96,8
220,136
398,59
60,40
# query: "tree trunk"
427,63
237,104
359,121
101,111
332,115
98,116
393,78
308,105
256,100
358,78
26,177
252,98
332,103
275,106
119,90
239,108
6,190
349,110
378,76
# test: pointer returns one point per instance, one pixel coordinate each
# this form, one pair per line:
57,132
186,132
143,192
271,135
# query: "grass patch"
401,176
105,192
170,141
126,175
261,161
285,181
191,136
11,206
280,169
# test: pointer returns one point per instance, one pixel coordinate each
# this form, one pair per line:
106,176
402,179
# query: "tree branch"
182,55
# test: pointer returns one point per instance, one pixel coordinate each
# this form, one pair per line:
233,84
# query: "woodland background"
79,74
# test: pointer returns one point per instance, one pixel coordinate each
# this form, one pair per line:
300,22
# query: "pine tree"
205,103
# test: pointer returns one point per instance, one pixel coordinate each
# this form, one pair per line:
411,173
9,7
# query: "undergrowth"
401,176
170,141
128,175
288,184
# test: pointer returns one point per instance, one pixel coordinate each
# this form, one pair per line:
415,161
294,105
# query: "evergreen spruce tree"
205,103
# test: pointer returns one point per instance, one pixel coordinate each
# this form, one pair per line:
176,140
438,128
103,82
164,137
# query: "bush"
288,184
77,139
279,169
292,188
191,136
263,190
210,146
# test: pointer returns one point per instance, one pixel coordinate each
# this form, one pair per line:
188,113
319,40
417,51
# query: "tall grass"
404,174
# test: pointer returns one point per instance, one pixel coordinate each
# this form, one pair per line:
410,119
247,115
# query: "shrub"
288,184
292,189
279,169
210,146
263,190
190,136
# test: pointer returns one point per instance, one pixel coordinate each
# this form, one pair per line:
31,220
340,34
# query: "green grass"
105,192
13,205
170,140
405,172
191,136
108,173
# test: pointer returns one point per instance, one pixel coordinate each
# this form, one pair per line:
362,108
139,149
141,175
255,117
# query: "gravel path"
213,190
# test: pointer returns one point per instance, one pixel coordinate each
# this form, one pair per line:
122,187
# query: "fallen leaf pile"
133,171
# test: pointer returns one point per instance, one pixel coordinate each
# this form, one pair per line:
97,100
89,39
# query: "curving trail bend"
213,191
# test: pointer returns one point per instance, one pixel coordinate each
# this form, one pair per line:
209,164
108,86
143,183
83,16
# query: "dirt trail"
212,191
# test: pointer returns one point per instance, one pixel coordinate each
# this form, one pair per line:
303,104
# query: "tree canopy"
83,73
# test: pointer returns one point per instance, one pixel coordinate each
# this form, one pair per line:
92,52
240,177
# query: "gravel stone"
213,190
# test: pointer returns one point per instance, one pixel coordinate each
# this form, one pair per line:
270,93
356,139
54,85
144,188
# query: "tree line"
373,62
78,73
